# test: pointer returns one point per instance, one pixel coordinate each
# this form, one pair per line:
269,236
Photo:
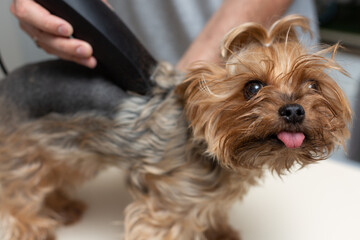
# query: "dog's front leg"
188,202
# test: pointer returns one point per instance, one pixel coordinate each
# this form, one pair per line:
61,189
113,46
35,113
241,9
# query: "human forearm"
231,14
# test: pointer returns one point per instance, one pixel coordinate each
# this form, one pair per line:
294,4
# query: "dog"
190,148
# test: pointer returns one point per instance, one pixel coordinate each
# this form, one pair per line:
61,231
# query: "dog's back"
56,86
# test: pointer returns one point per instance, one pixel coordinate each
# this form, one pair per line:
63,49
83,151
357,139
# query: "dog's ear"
282,30
241,36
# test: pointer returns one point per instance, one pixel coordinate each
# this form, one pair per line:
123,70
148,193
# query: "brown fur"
237,130
190,150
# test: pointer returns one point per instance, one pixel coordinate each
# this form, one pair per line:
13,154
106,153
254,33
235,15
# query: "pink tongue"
291,140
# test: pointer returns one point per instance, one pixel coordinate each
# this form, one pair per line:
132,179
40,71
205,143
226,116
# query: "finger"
12,7
31,31
88,61
108,4
68,46
32,13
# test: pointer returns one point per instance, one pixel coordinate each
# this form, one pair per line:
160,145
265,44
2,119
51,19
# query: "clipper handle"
120,55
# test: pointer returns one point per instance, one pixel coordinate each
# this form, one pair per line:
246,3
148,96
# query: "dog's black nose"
292,113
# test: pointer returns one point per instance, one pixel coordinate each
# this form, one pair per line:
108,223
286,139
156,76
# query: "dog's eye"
252,88
312,84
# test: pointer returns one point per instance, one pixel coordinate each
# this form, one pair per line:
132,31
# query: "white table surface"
320,202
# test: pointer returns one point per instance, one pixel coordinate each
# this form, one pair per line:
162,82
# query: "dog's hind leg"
26,180
38,159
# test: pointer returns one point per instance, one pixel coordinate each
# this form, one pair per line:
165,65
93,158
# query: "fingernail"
82,52
90,63
63,30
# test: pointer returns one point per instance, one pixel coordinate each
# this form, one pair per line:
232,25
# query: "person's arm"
52,33
231,14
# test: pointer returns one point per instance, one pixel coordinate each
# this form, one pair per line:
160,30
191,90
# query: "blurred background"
339,20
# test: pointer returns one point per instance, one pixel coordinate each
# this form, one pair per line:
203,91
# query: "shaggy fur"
190,149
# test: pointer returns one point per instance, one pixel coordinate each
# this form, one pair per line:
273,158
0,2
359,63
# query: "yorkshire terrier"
190,149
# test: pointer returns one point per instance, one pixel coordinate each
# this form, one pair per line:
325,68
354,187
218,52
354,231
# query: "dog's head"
271,104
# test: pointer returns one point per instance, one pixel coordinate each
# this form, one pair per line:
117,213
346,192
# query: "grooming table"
320,202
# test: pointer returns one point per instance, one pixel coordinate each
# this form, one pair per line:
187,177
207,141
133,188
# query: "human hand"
52,33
